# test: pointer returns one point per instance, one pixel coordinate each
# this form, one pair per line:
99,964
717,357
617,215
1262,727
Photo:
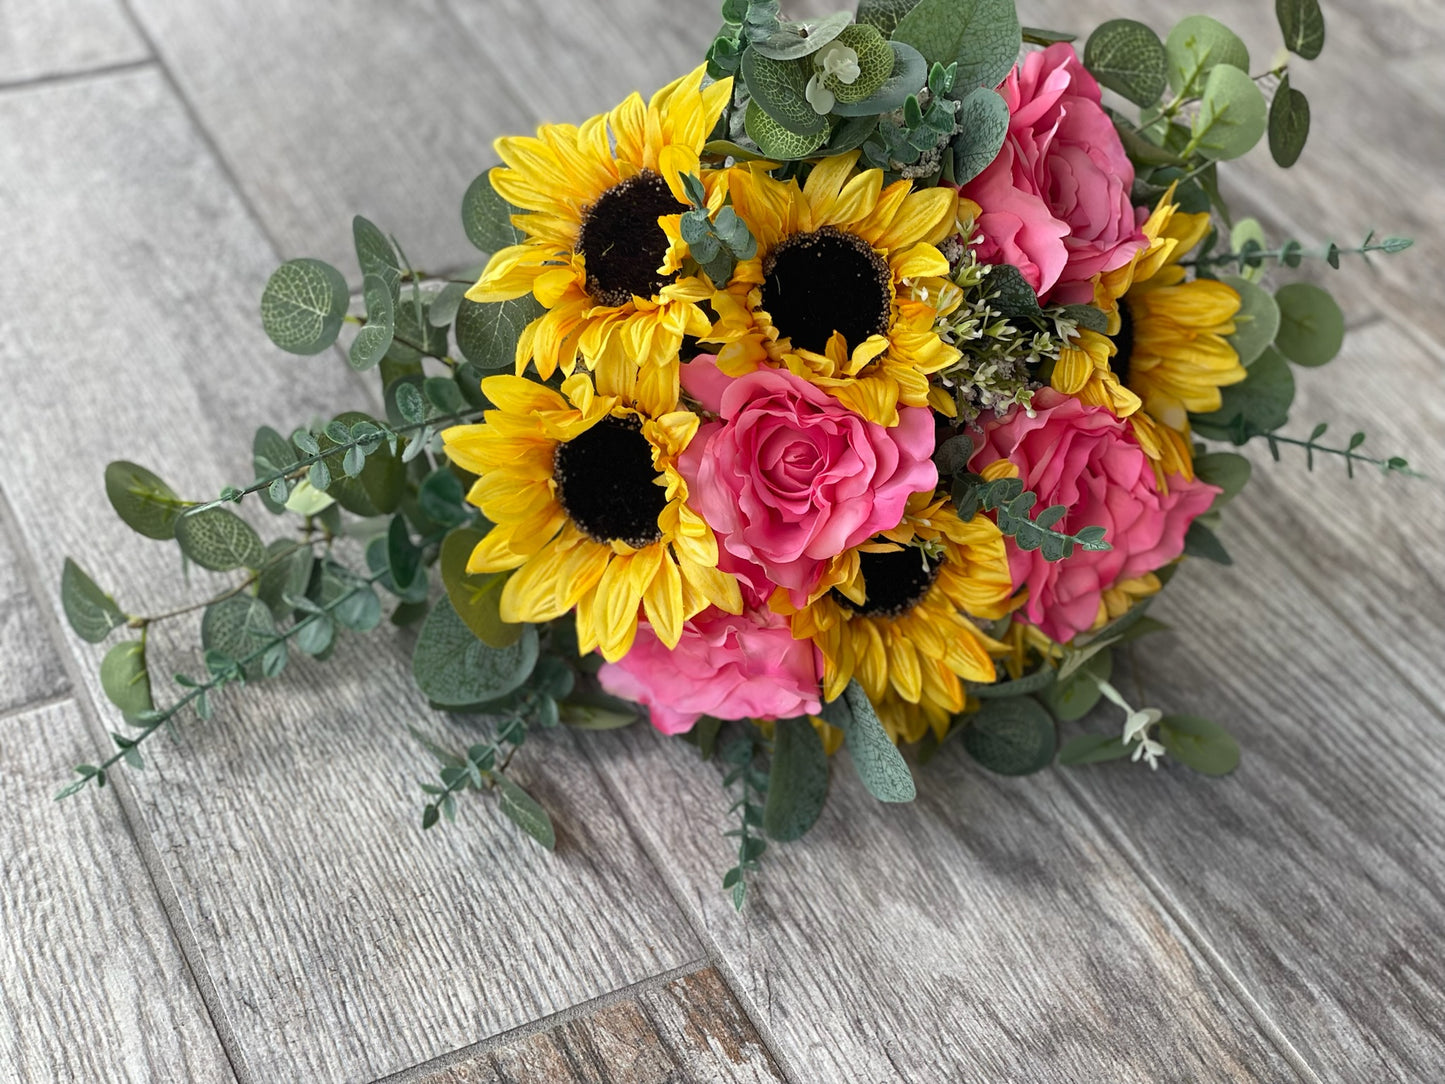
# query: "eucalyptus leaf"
453,668
1011,737
220,540
776,141
1303,25
525,812
476,597
877,760
910,73
777,87
144,503
875,64
271,453
303,306
378,489
486,217
1195,46
1076,696
284,576
593,710
1228,471
1200,541
1127,57
90,611
376,255
1289,124
443,308
794,40
1039,680
374,340
1312,326
1233,114
1258,405
1257,322
487,332
238,627
1199,743
982,120
797,780
982,36
1094,749
125,679
884,14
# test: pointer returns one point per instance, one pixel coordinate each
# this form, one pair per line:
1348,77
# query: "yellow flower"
590,510
603,250
825,296
895,614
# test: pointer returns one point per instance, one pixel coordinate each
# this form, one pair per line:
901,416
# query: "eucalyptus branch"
1180,101
741,753
445,359
1393,465
478,769
1293,253
1013,503
153,720
142,622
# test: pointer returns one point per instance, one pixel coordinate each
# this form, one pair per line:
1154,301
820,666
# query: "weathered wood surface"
32,670
1106,924
59,37
687,1031
336,941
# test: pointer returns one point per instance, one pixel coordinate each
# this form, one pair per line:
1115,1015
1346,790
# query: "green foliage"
1303,24
1074,697
374,340
1200,541
877,760
284,576
777,88
884,14
797,780
1036,35
1093,749
1036,682
907,76
777,142
487,332
1312,327
1258,405
982,36
455,669
91,613
1350,454
1232,117
1128,58
125,679
983,121
1289,124
1199,743
1011,737
718,242
526,813
778,40
219,540
1224,469
376,255
303,306
144,503
240,626
1012,503
483,768
375,490
1257,322
875,64
487,217
592,709
476,596
741,755
1195,47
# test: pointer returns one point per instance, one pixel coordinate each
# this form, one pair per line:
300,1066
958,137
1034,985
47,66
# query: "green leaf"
1040,679
524,811
89,610
487,332
285,575
1312,327
442,499
415,336
1128,58
875,64
303,306
220,540
1257,322
1075,696
374,340
1224,469
443,308
1258,405
403,556
1289,124
1036,35
475,597
378,489
1093,749
1195,46
238,627
453,668
797,781
1011,737
777,87
1303,24
125,679
350,599
795,40
1232,117
1199,743
1200,541
983,36
777,142
376,255
271,453
1010,293
591,710
983,119
486,217
144,503
910,72
884,14
877,760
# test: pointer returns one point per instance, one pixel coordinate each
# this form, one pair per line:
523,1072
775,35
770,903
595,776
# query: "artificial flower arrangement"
850,391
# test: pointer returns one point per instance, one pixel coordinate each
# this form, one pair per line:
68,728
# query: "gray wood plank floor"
262,903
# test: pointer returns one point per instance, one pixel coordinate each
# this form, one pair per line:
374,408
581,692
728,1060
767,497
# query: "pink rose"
731,667
1056,200
1085,458
790,478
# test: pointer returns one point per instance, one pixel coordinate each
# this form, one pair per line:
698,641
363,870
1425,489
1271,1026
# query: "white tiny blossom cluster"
836,61
1137,725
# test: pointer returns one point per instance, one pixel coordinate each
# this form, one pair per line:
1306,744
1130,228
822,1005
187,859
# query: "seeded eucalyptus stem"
1394,465
144,622
1292,253
154,720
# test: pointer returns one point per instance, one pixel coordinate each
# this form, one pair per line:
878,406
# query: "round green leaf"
125,679
777,87
347,596
884,14
1226,470
303,306
487,217
374,340
1233,114
1199,743
271,454
444,303
797,780
285,575
1303,24
376,255
1195,46
1312,327
983,122
1093,749
590,710
1289,124
875,64
1258,405
487,331
795,40
378,489
1076,695
144,503
1257,322
1128,58
910,73
238,628
455,669
776,141
1011,737
983,36
220,540
89,610
414,337
475,597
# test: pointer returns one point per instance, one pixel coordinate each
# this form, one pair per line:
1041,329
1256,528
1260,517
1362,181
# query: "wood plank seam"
581,1010
150,857
694,916
1179,913
36,705
98,72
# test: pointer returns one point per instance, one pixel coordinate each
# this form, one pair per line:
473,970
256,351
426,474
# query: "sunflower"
895,614
590,510
824,296
598,255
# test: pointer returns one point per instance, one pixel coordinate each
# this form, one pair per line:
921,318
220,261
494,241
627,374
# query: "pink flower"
1085,458
790,477
731,667
1056,200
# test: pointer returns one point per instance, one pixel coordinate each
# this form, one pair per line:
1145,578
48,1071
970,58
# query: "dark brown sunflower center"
1124,343
894,582
606,483
817,283
621,241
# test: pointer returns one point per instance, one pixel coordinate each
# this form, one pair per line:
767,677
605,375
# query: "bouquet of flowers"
852,390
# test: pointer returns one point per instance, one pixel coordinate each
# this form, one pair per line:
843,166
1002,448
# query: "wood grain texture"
62,37
688,1031
92,985
341,943
30,667
985,932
